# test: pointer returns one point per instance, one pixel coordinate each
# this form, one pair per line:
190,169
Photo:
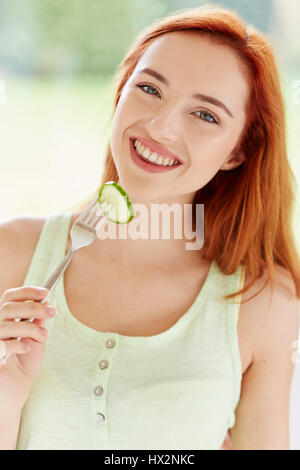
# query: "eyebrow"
197,96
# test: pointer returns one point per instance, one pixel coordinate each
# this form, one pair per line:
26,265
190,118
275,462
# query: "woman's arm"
18,238
9,429
9,245
262,414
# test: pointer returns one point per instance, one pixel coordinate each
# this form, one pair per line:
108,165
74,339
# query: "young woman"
154,346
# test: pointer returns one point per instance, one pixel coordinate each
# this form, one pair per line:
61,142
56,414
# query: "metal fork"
83,233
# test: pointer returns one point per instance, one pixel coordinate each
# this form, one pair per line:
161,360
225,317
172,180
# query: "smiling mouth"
153,157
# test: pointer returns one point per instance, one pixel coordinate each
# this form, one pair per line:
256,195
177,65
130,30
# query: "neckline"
90,333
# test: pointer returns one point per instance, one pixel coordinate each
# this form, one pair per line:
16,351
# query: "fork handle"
50,284
53,280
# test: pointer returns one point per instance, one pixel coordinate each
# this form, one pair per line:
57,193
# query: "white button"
98,391
99,418
110,343
103,364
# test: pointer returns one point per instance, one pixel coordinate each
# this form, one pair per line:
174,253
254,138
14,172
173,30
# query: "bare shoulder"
282,280
281,325
271,319
272,313
18,239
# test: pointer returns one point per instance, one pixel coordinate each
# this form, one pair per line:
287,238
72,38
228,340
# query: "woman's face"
157,107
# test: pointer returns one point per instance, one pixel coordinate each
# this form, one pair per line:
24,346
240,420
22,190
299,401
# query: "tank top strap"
223,285
236,283
50,248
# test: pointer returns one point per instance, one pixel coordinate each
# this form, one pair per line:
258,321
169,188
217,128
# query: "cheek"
130,108
129,113
121,121
212,148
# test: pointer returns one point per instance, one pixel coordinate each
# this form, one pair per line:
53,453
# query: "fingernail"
42,291
43,330
51,311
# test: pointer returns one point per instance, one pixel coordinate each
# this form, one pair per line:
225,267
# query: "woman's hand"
21,368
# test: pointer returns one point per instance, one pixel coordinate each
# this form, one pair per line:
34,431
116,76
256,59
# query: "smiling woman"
233,146
244,130
149,338
195,124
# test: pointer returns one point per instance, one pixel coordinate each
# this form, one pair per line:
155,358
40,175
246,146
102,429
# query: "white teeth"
153,156
146,153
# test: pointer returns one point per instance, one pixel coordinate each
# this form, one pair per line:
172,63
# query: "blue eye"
206,113
211,120
142,86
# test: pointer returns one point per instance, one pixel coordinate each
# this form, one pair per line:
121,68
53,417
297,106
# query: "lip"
158,149
145,165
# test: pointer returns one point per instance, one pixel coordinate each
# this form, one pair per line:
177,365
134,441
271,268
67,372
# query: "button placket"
100,387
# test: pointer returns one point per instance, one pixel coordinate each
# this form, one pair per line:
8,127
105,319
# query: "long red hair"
248,210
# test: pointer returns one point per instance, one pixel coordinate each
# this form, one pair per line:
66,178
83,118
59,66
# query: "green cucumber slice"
115,204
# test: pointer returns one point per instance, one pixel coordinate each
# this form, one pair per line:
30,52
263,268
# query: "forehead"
189,59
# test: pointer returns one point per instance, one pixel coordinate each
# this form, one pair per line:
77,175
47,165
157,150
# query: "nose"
165,126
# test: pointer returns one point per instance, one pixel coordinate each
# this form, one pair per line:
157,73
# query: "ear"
233,162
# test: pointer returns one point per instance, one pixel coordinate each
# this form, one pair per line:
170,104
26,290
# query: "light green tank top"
99,390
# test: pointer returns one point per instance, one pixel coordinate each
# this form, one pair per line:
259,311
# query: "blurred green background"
57,60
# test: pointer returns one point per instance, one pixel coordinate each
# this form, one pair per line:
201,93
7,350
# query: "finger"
24,293
13,330
41,322
2,348
24,310
13,346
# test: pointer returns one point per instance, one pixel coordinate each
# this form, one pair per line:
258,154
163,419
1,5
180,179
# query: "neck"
156,236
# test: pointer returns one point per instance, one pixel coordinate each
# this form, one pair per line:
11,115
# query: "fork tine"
90,216
86,211
96,221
